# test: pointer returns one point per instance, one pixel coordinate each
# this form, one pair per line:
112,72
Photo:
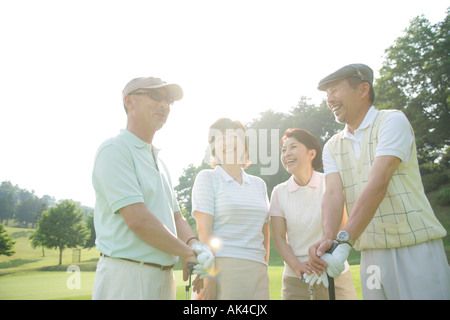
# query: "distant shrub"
427,168
445,161
433,181
444,196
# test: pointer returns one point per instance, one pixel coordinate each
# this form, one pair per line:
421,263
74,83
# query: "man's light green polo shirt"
125,173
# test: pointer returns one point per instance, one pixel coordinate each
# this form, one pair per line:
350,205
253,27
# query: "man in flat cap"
372,174
140,231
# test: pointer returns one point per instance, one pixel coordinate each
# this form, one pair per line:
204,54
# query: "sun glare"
215,243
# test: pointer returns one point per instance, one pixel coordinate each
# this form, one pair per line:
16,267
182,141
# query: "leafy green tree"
90,241
8,201
6,242
61,227
184,190
37,216
415,78
37,239
269,123
318,120
28,207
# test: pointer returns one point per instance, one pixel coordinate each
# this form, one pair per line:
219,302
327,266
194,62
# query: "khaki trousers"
294,288
117,279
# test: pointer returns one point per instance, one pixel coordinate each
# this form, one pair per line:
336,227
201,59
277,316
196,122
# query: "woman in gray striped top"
231,211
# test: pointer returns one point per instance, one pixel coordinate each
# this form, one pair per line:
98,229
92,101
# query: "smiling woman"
301,151
230,209
296,218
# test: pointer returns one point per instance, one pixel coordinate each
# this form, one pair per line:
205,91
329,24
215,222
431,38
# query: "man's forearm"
150,229
331,216
332,206
184,230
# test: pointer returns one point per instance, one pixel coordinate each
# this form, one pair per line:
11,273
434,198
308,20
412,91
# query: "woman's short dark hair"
310,142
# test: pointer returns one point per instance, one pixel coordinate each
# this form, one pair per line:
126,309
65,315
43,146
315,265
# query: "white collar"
229,178
368,119
314,182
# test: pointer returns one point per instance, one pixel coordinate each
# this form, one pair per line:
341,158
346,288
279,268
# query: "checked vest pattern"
405,216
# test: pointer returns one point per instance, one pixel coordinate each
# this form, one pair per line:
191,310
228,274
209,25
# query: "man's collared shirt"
394,139
125,172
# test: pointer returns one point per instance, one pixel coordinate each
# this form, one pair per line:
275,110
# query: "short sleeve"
176,206
329,163
274,208
203,193
395,137
266,197
115,179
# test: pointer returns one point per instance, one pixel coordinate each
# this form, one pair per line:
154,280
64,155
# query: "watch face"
343,236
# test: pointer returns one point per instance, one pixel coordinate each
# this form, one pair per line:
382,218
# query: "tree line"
24,206
59,224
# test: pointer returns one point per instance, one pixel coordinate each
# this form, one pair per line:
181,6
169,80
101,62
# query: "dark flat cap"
352,70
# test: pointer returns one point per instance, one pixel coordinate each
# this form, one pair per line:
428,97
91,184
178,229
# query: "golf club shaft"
190,268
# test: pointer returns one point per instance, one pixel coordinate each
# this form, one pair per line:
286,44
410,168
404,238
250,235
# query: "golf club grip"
333,246
190,267
331,290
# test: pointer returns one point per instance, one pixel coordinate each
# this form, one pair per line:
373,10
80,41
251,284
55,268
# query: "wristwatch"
344,237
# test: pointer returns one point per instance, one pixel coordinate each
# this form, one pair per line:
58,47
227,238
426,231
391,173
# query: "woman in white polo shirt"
296,217
231,211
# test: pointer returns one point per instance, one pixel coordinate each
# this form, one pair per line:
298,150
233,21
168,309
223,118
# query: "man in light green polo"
140,230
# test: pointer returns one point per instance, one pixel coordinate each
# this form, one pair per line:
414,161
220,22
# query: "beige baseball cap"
153,83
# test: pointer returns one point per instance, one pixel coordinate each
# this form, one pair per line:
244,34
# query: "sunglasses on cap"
155,95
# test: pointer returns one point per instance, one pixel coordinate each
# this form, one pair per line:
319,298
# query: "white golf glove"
205,260
313,278
336,260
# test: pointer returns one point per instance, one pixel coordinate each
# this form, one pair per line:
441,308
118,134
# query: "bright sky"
63,65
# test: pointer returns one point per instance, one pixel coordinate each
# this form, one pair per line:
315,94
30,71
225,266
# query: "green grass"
38,285
27,275
442,213
52,285
27,259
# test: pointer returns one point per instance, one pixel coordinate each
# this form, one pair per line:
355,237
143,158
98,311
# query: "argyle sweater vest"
405,216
